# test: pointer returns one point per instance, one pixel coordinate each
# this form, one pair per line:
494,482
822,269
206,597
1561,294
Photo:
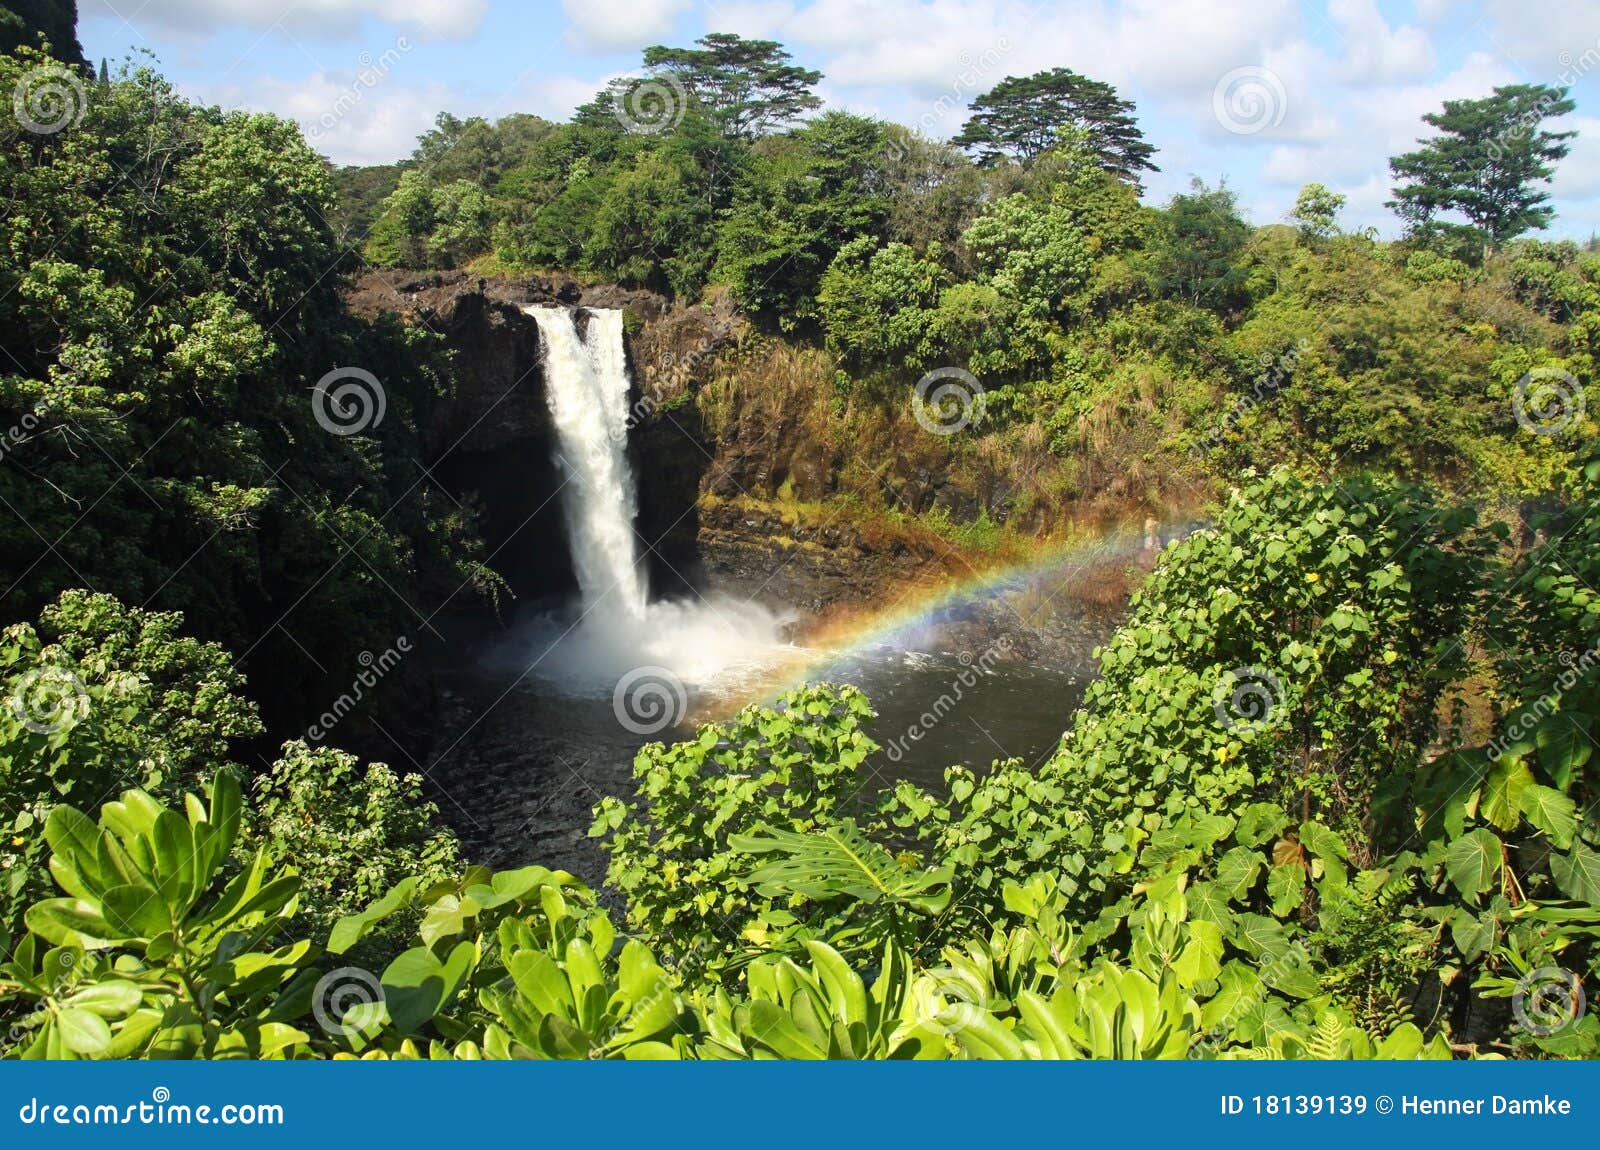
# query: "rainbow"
1054,573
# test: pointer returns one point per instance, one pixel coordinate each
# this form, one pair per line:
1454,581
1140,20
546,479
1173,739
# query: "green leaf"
1473,862
417,985
541,981
83,1031
1552,812
1564,745
110,999
1260,822
71,922
1577,873
135,910
1286,887
841,861
352,928
846,992
74,842
1404,1045
1502,792
1260,936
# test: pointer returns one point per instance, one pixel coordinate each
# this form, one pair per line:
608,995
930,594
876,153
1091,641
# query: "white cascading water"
586,380
704,643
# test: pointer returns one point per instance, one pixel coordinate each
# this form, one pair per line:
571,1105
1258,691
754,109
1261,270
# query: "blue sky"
1270,93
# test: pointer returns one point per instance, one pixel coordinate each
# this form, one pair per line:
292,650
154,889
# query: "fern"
1328,1043
840,861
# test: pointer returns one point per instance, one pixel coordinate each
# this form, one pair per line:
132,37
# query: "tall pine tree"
1484,163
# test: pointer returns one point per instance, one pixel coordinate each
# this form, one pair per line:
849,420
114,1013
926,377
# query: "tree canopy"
749,87
1485,163
1024,116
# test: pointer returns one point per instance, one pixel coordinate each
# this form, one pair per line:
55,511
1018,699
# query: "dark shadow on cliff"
669,453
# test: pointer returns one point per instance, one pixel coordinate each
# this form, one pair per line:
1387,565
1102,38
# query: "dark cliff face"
491,443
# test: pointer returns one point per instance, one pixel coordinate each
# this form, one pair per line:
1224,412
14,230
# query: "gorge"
545,714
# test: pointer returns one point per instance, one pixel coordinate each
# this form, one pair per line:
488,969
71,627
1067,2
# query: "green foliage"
1198,256
434,225
747,87
878,305
352,831
167,957
1316,211
1023,117
32,23
99,697
168,299
788,768
805,195
1292,656
1484,163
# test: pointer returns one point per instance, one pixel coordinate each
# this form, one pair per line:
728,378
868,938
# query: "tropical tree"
1198,256
748,86
1024,116
806,195
1316,211
26,22
1485,162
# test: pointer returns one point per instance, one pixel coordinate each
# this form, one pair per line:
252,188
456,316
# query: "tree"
1024,116
26,22
1316,210
1484,163
805,195
1205,236
747,86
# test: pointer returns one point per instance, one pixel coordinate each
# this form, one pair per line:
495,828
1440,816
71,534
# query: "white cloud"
613,25
435,19
1166,45
1375,52
546,94
346,120
1577,177
1542,39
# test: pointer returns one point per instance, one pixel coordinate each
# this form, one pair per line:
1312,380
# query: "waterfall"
645,655
586,383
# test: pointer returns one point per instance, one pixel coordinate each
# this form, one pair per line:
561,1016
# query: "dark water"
524,756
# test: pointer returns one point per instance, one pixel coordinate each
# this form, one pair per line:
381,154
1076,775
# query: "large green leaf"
1501,803
1564,745
83,1031
841,861
1473,862
350,929
71,922
416,984
1577,873
1552,812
